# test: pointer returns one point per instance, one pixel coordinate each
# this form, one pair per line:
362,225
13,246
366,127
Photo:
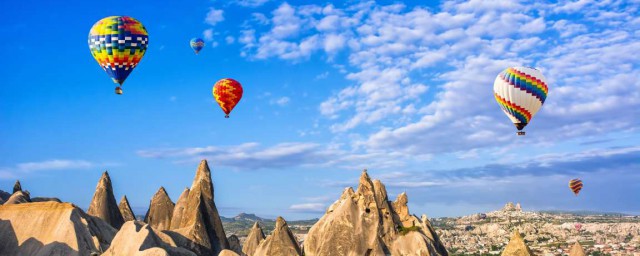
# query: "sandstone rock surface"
253,239
51,228
226,252
103,205
160,211
19,197
125,209
138,238
234,244
576,250
200,223
280,242
516,246
364,222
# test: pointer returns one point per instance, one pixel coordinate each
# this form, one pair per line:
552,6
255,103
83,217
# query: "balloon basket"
520,133
118,90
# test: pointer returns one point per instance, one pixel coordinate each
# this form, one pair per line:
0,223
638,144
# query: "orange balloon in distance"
227,93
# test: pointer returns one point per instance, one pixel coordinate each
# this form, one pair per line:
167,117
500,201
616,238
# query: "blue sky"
400,88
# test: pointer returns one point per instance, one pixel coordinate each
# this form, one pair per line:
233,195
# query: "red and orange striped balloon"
227,93
575,185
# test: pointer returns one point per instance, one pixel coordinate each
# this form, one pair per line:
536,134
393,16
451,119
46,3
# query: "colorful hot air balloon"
575,185
520,92
118,44
197,44
227,93
578,226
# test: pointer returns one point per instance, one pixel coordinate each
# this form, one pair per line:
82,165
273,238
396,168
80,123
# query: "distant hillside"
240,224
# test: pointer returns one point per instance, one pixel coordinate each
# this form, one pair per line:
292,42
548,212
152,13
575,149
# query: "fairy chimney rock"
103,205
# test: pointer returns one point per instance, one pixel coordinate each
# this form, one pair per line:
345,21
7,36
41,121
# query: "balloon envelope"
520,92
196,44
118,43
575,185
227,93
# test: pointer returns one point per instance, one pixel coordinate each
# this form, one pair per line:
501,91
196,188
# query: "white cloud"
208,34
322,75
229,39
282,101
20,169
399,54
214,16
55,164
250,3
308,207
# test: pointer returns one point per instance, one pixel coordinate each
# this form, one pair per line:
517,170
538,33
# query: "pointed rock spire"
103,205
19,197
577,250
125,209
17,187
280,242
516,246
200,222
178,210
160,211
253,239
234,244
365,222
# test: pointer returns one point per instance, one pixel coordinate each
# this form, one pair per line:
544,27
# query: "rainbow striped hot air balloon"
520,92
196,44
118,43
227,93
575,185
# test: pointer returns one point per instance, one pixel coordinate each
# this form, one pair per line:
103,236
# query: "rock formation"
516,246
160,210
103,205
364,222
17,187
509,207
200,222
280,242
234,244
226,252
253,240
518,207
51,228
138,238
45,199
178,210
577,250
4,196
125,209
19,197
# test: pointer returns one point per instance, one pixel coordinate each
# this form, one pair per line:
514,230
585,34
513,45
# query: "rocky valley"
362,221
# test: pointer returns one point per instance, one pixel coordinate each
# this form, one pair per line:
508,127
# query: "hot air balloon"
227,93
118,44
578,226
197,44
520,92
483,216
575,185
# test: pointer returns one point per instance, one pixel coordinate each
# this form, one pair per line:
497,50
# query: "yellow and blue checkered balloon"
118,44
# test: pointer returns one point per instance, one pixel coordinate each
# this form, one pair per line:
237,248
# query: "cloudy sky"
402,89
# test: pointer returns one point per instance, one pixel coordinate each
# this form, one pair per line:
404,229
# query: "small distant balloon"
578,226
483,216
197,44
227,93
575,185
118,43
520,92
